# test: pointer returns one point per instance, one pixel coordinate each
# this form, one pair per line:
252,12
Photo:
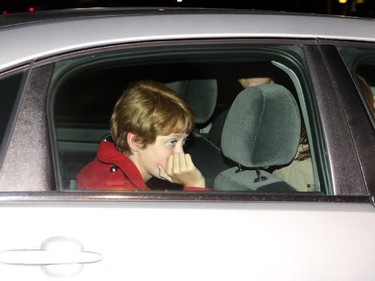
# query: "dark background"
360,8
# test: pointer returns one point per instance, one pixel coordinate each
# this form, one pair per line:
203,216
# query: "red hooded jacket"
112,170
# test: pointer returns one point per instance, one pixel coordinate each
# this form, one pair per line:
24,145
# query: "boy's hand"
180,169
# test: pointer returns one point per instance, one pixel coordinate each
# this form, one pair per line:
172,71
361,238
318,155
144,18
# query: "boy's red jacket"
112,170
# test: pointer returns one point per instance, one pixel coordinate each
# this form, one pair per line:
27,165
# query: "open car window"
212,79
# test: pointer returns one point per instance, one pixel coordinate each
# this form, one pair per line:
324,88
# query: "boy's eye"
172,142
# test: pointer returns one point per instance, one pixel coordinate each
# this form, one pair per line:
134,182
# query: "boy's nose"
179,148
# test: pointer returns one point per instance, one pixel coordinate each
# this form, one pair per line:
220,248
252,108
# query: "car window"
9,87
85,89
361,64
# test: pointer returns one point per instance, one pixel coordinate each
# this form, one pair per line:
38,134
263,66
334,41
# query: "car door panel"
191,240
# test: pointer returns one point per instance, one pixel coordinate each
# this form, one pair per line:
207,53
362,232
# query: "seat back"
201,95
262,129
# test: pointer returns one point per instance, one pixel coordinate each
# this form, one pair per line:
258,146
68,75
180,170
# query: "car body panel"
165,241
140,28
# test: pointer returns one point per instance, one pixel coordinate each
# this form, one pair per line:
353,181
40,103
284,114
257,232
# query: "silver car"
289,162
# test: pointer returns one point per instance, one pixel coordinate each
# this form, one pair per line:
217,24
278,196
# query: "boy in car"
149,126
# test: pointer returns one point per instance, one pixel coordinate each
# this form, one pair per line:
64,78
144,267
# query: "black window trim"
174,196
25,70
359,123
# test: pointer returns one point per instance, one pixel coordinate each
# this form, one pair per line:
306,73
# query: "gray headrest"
201,95
262,128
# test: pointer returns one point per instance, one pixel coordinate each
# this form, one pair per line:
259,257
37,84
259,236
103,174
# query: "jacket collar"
107,153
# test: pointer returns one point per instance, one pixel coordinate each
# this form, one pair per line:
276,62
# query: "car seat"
214,135
262,130
201,95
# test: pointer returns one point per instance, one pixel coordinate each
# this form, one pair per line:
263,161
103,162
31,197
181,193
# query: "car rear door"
113,238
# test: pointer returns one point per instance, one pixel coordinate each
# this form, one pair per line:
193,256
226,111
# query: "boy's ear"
132,140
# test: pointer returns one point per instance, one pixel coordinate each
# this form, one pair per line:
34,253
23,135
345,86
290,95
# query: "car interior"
84,91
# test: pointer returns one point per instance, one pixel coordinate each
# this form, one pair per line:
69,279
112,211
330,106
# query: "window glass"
9,87
210,79
361,64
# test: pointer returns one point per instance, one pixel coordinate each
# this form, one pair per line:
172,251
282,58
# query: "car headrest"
262,128
201,95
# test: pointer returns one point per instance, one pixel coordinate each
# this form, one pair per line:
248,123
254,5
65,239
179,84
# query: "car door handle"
42,257
53,251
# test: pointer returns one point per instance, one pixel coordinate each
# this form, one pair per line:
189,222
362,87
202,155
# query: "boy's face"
158,153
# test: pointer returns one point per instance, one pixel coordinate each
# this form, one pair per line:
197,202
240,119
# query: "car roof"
47,33
75,13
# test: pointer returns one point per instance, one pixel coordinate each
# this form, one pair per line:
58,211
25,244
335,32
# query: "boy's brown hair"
149,109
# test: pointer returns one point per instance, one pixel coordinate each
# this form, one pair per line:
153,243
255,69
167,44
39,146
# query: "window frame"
193,196
12,114
240,43
29,138
363,132
339,103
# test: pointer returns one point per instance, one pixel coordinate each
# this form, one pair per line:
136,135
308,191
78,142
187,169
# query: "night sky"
362,8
